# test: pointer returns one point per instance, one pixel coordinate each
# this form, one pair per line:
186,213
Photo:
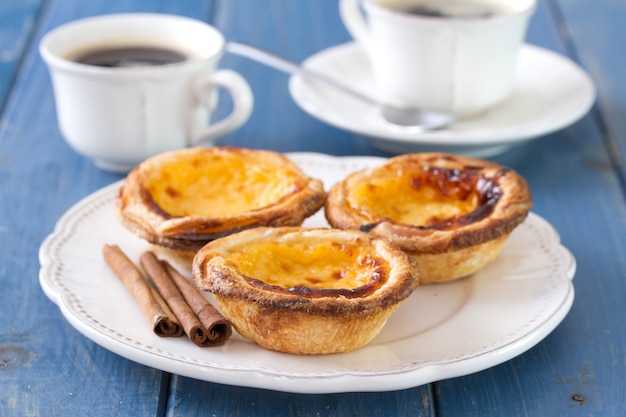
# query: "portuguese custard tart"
183,199
305,290
450,214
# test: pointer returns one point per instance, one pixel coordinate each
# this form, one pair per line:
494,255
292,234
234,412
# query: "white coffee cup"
120,116
462,63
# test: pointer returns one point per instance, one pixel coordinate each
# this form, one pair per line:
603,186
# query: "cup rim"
399,14
56,59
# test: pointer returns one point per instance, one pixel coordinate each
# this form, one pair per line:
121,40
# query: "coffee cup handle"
242,97
354,20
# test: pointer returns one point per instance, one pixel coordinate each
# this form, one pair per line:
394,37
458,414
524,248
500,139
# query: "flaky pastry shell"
305,290
183,199
451,214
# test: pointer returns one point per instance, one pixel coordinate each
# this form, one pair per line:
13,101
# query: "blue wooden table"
577,176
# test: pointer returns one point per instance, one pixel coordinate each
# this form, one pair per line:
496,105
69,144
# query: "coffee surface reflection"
132,56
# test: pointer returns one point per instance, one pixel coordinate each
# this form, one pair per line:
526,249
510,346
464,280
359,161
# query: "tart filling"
422,196
327,268
434,204
183,199
307,291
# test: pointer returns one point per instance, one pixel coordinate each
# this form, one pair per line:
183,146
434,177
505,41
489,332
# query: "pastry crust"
305,290
183,199
451,214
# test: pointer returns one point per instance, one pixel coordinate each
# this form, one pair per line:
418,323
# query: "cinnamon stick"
218,328
164,327
171,294
163,321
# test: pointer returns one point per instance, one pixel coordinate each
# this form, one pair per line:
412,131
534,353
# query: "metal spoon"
402,117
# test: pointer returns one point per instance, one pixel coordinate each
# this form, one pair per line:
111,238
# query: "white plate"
550,92
441,331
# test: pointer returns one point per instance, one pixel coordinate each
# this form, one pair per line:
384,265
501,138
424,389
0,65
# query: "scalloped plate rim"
405,375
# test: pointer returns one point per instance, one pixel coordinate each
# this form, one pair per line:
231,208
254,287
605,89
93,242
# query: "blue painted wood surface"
17,20
576,174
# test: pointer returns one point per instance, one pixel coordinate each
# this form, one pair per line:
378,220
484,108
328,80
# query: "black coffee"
133,56
455,10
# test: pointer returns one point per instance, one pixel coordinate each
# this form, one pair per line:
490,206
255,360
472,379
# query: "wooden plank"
46,367
595,36
16,21
193,398
576,370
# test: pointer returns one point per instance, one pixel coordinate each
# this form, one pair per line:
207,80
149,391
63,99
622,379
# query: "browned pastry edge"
451,265
211,273
190,233
510,210
450,253
291,322
300,332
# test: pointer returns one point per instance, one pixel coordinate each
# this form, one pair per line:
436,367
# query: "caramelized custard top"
429,197
310,269
216,185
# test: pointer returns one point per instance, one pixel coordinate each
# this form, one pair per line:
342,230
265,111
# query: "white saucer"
550,93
